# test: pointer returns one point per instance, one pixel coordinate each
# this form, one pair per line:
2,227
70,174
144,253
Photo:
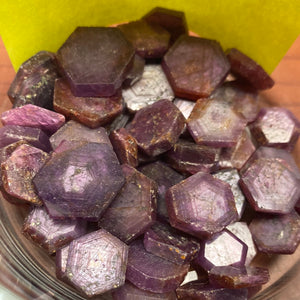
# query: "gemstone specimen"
135,72
214,123
80,182
246,68
276,127
125,146
153,86
185,106
276,234
33,116
237,278
157,127
149,41
190,158
195,67
61,258
18,171
74,131
163,241
34,82
241,230
232,177
90,111
13,133
133,210
51,234
119,122
172,20
223,249
97,263
165,177
201,205
95,61
152,273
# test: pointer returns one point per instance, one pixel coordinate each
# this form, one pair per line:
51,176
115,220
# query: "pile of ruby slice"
142,178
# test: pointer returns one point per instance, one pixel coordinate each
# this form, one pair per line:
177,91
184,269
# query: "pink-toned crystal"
185,106
90,111
278,234
148,40
97,263
195,67
157,127
80,182
213,122
201,205
125,146
18,171
95,60
51,234
244,67
152,273
133,211
61,258
135,72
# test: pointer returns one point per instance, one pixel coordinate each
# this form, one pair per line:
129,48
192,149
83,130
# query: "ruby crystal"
135,72
185,106
95,60
61,258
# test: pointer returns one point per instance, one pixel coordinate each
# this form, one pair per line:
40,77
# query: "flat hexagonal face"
201,205
270,186
95,60
214,123
97,263
80,182
195,67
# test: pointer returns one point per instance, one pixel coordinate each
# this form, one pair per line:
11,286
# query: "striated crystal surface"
157,127
214,123
195,67
119,122
90,111
153,86
95,60
246,68
51,234
278,234
185,106
172,20
223,249
33,116
19,169
34,81
80,182
135,72
163,241
13,133
148,40
232,177
97,263
201,205
61,258
133,210
165,177
125,146
276,127
152,273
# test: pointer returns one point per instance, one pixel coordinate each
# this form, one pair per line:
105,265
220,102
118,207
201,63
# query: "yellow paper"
264,30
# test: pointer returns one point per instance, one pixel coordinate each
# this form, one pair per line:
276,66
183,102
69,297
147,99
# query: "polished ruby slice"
152,273
135,72
95,60
125,146
34,81
18,171
90,111
195,67
34,116
201,205
97,263
172,20
276,234
246,68
51,234
80,182
157,127
148,40
133,211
